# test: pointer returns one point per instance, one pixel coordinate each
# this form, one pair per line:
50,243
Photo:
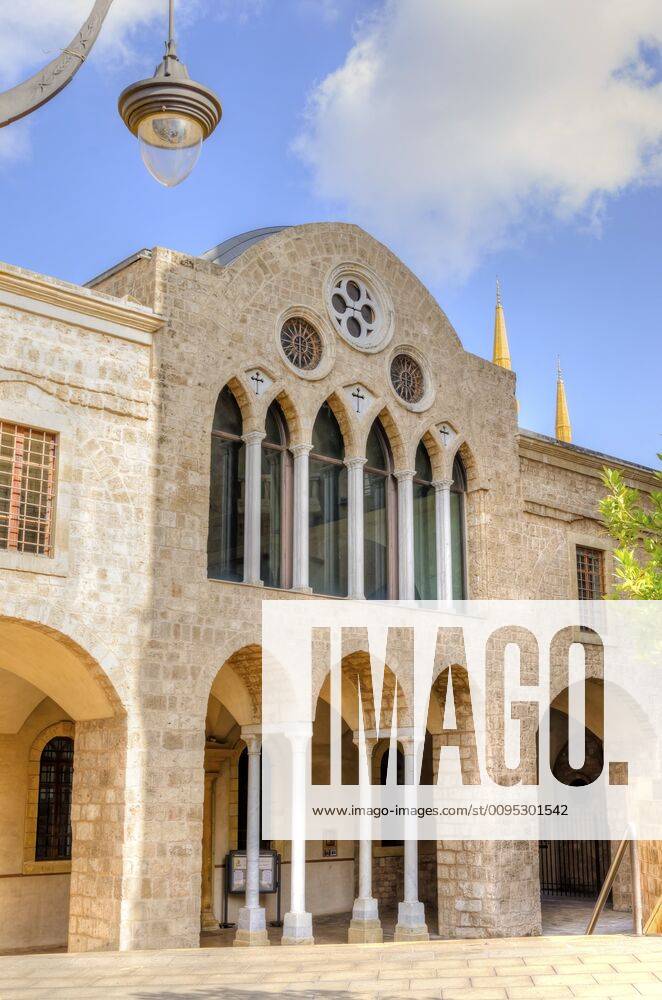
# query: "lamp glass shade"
170,145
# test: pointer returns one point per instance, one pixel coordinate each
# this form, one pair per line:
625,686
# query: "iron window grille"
590,574
56,770
27,486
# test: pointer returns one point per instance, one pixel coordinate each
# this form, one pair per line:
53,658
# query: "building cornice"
77,306
539,448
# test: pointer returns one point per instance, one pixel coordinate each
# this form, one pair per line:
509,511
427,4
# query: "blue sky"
467,162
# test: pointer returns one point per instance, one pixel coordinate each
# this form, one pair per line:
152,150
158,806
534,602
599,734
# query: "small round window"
356,311
301,343
407,378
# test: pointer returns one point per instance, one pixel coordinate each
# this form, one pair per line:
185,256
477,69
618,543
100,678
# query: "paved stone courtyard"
604,967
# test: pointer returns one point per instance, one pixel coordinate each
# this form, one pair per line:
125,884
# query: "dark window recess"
56,772
590,582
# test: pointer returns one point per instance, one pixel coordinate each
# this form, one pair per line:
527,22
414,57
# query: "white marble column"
251,923
442,517
300,489
411,924
252,506
298,923
365,926
355,527
406,579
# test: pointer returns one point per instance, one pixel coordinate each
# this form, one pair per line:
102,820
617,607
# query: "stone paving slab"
607,968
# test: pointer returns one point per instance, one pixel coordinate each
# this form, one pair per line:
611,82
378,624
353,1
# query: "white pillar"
411,924
298,924
251,924
300,517
355,527
252,506
365,926
442,518
406,579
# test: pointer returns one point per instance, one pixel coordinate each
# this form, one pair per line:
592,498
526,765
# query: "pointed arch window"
425,535
327,510
56,771
379,518
276,502
225,543
458,530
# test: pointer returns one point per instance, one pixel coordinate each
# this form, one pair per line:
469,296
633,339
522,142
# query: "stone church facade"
290,414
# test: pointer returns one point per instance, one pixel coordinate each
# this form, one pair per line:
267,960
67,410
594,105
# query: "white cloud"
454,127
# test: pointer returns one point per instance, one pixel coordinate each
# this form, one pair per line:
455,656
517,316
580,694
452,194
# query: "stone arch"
430,438
290,412
231,690
82,677
67,663
465,453
345,422
248,413
401,459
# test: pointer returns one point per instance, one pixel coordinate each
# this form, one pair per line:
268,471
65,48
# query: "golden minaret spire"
501,350
563,427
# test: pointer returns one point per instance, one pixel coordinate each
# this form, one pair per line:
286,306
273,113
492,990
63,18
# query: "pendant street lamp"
170,114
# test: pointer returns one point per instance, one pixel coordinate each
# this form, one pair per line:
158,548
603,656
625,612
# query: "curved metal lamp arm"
49,81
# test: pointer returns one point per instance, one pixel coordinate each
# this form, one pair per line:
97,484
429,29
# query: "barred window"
56,771
27,484
590,585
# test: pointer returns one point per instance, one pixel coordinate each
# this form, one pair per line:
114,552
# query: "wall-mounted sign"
268,868
330,848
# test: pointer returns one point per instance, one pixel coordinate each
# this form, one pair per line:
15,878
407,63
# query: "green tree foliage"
638,532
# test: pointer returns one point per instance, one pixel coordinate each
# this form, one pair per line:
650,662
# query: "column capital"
355,462
404,474
301,449
252,737
370,739
253,437
442,484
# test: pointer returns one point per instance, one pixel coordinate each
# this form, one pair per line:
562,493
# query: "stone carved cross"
445,434
259,382
359,397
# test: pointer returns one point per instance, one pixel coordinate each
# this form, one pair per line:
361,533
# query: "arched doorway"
62,772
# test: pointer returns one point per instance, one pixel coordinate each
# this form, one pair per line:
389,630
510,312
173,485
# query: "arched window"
425,559
56,770
327,512
225,543
458,490
379,518
276,502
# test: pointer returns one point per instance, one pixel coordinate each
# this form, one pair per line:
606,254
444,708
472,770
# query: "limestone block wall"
72,626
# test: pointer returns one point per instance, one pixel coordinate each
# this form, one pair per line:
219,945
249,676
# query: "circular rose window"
407,378
301,343
356,311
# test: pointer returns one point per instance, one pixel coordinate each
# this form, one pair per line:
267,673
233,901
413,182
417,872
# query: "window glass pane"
271,517
225,547
459,477
425,557
327,519
375,536
327,438
227,416
54,802
274,425
375,455
457,544
423,464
